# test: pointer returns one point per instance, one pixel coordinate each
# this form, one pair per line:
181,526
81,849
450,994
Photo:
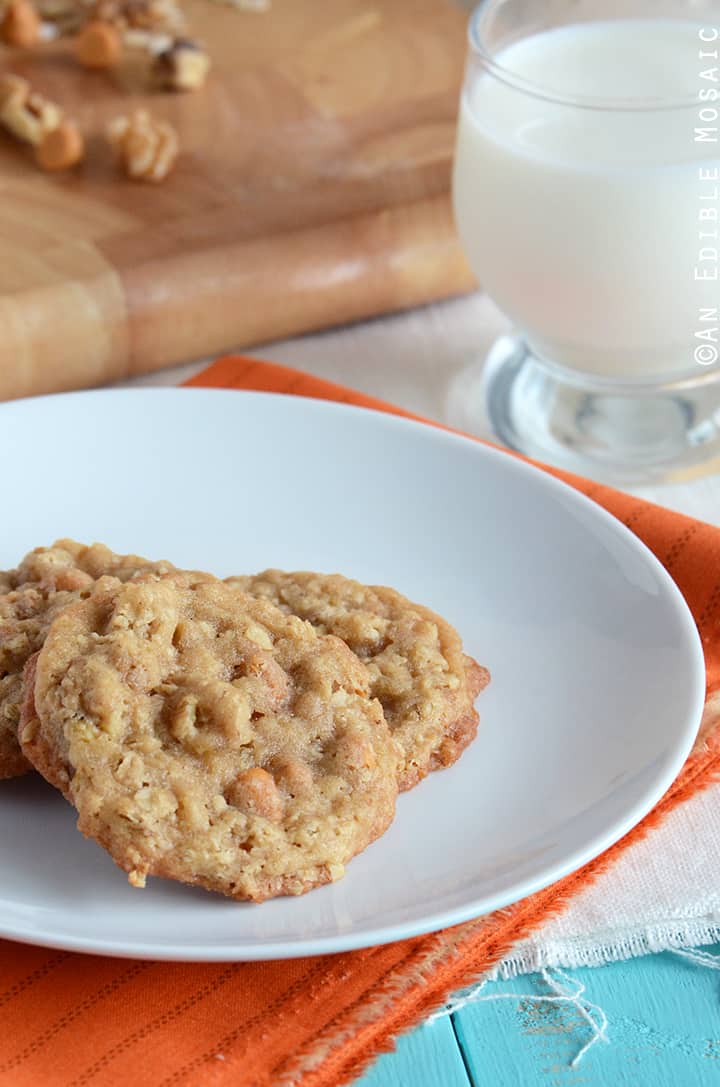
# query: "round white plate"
598,675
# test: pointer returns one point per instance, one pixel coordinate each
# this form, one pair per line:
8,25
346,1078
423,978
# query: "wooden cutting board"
312,189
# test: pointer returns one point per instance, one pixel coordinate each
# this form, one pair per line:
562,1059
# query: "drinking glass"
586,191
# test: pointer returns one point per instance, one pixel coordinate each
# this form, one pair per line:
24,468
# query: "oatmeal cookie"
45,582
208,737
424,681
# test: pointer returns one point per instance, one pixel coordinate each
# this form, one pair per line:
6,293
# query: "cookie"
45,582
424,681
206,736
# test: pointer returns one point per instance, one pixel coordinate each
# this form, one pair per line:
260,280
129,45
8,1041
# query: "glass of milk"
587,198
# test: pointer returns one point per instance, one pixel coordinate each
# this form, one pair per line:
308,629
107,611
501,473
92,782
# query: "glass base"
610,431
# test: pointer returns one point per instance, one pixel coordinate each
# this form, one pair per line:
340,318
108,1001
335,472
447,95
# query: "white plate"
598,674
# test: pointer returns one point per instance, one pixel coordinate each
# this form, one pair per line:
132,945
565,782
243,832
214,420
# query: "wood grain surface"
312,189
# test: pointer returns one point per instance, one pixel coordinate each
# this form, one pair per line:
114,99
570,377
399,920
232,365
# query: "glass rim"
511,79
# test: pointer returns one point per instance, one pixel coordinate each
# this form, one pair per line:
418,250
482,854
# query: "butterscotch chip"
205,736
60,148
424,681
46,581
98,45
21,24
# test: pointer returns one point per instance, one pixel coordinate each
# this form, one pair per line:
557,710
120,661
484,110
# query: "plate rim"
429,923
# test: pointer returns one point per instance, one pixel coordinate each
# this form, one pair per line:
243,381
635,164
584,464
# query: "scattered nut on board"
21,24
147,147
98,45
33,119
24,112
60,148
65,16
152,42
259,6
158,15
182,67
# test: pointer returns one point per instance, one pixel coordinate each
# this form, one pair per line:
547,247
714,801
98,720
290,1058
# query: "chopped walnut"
106,11
148,16
147,146
153,42
58,9
157,15
182,67
26,113
62,16
260,6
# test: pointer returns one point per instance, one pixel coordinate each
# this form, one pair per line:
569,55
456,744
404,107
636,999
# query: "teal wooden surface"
429,1055
663,1031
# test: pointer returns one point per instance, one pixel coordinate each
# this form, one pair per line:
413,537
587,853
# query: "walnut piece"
152,15
152,42
259,6
147,147
147,18
60,9
155,15
24,112
182,67
61,17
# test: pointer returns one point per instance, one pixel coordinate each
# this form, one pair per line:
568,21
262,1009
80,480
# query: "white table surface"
411,358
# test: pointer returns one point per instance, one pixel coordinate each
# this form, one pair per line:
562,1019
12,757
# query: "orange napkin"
84,1021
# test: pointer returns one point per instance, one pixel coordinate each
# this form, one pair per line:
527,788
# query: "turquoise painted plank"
428,1057
664,1030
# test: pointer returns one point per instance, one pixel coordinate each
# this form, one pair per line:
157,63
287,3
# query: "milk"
584,224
